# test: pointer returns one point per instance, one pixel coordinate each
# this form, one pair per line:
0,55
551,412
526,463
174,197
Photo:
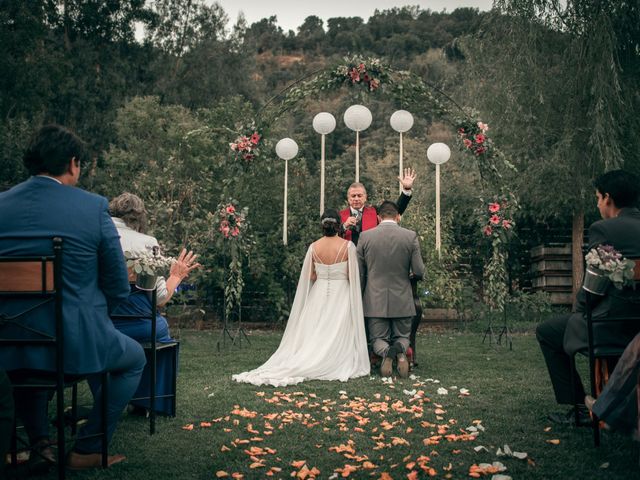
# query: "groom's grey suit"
387,255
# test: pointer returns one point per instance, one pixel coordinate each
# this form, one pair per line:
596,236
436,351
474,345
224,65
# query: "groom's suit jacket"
94,272
387,255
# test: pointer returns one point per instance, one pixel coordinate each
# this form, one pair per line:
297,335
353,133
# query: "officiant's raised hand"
408,178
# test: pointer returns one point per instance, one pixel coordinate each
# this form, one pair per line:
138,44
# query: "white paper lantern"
358,118
324,123
286,149
401,121
438,153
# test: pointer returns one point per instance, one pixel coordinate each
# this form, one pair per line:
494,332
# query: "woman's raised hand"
184,265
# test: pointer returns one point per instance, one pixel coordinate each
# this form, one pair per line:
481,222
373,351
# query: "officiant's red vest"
369,219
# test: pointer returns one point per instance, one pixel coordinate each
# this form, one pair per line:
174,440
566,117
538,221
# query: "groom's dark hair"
388,209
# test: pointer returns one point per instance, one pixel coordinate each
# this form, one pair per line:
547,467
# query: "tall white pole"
357,156
286,178
400,163
438,243
322,174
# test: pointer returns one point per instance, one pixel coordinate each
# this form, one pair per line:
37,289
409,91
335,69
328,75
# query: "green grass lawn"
509,394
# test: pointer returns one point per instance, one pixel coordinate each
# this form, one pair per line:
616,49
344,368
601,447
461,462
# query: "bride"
325,337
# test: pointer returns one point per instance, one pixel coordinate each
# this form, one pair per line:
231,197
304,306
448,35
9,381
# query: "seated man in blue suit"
95,280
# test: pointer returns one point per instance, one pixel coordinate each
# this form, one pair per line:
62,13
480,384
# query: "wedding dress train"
325,336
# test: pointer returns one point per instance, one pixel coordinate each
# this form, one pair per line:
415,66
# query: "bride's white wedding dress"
325,337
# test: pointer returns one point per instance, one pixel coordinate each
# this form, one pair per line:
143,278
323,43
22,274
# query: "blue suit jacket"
94,271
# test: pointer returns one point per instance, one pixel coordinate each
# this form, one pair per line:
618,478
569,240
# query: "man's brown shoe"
85,461
386,369
403,365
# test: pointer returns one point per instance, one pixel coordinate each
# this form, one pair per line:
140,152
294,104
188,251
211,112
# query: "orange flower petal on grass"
385,476
188,427
221,474
298,463
554,441
413,475
224,448
205,424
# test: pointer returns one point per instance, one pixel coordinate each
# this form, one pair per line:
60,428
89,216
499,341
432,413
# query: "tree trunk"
577,257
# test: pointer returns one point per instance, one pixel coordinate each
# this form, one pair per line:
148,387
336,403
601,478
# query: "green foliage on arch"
371,77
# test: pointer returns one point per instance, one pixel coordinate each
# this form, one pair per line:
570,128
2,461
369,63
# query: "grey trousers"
383,332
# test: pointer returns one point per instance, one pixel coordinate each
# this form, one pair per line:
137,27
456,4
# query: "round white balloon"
438,153
401,121
286,149
358,118
324,123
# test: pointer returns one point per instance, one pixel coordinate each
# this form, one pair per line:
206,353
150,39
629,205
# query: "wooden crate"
551,267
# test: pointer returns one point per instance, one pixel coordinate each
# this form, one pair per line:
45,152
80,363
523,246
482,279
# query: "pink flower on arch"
235,232
374,83
362,68
494,219
230,209
494,207
467,143
255,138
355,76
480,138
506,224
487,230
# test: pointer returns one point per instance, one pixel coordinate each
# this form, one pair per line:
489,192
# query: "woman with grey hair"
130,218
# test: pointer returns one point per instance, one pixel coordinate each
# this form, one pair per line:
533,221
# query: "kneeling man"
388,256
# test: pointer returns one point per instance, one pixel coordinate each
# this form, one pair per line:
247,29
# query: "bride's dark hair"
331,223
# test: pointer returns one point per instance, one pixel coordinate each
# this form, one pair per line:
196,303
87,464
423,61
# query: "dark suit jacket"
623,233
369,218
94,271
387,255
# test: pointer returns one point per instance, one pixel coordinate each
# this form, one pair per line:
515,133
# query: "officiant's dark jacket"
623,233
94,271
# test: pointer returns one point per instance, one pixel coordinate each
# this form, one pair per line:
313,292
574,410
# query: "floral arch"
372,77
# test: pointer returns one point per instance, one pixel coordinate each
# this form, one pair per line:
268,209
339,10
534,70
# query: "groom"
388,256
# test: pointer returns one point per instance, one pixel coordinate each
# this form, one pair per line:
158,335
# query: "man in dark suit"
360,217
617,194
387,256
95,280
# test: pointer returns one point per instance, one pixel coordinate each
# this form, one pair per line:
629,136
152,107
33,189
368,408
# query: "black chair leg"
74,409
104,379
62,457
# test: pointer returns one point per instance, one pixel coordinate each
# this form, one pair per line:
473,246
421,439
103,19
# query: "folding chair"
151,349
39,279
603,357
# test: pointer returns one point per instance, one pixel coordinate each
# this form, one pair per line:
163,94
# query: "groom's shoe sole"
403,366
386,369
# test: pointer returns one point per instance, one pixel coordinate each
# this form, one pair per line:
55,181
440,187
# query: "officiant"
360,217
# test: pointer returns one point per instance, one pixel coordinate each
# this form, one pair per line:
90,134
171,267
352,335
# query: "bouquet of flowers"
474,137
356,71
610,263
148,262
247,145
